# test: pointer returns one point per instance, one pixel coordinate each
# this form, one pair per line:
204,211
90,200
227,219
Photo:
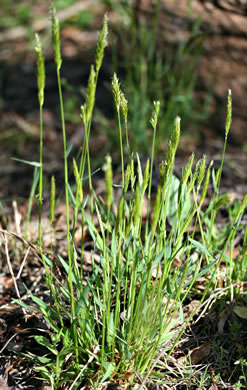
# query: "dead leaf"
224,315
200,353
241,311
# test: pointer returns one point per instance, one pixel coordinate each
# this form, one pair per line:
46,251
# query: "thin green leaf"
33,163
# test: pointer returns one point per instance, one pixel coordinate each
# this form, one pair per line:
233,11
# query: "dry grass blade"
35,250
11,271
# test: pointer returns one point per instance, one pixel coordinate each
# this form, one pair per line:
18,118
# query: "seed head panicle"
229,113
154,119
101,44
56,38
90,96
188,169
163,172
40,70
201,172
116,91
124,106
84,114
175,135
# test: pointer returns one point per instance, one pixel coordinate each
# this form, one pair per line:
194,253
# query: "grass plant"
130,314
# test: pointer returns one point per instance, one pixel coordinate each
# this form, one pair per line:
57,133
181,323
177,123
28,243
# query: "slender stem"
127,138
40,173
150,182
121,145
70,283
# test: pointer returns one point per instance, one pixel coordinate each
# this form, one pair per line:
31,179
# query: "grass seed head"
116,91
56,38
124,106
175,135
201,172
163,169
229,113
154,119
101,44
40,70
188,169
90,96
84,113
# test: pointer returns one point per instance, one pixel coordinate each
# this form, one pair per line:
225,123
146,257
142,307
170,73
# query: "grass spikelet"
175,135
154,119
124,106
116,91
229,113
40,70
90,96
124,110
56,38
163,175
101,44
188,170
84,114
201,172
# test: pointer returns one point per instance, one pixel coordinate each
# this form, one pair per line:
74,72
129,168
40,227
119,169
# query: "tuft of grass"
130,314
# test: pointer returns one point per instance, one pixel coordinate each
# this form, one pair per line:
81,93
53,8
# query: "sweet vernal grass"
58,62
130,312
41,87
